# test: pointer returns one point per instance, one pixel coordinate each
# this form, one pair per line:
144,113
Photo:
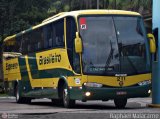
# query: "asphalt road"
44,109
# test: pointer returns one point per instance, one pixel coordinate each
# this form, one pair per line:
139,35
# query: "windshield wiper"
109,58
132,65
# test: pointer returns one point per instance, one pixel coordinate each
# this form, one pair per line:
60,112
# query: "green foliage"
17,15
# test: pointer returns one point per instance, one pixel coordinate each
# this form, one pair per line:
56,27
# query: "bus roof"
121,12
75,14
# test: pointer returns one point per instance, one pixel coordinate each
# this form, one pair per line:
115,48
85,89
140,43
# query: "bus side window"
47,30
58,33
29,48
12,50
17,45
33,41
38,46
39,39
53,36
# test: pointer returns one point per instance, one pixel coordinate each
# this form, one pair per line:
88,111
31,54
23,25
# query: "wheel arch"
61,82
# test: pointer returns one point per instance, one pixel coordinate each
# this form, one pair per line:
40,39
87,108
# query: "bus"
80,55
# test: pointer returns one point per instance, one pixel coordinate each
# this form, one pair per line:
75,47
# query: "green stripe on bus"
40,74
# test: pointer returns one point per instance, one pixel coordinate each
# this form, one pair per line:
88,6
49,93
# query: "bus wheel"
120,103
19,99
67,102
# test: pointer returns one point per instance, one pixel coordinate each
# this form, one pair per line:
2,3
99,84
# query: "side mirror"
152,43
78,43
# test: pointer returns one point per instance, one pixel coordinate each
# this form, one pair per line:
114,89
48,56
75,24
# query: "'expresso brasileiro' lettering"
51,58
11,66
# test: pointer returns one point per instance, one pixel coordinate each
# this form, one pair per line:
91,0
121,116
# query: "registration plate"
121,93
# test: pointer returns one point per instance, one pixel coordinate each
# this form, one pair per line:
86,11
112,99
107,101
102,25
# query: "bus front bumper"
90,93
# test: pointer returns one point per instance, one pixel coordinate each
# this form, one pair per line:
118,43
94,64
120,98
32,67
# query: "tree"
17,15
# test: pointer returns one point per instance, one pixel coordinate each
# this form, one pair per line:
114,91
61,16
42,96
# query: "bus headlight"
149,91
87,94
146,82
97,85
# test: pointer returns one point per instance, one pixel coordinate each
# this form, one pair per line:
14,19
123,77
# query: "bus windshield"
113,45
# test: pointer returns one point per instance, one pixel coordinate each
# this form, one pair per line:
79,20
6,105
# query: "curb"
9,97
154,105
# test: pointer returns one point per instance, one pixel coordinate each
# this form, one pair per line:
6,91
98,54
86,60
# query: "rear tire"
67,102
20,99
120,103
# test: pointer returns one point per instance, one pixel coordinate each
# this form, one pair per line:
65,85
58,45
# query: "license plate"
121,93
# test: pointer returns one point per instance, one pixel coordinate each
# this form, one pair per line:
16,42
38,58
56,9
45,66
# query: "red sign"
83,23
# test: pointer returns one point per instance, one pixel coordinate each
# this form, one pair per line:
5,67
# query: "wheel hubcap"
17,95
65,93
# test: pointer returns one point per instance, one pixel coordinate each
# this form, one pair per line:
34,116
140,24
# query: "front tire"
67,102
120,103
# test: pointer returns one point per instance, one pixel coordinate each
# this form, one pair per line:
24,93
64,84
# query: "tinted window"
46,37
37,40
54,35
58,33
70,34
12,48
114,44
132,45
100,50
47,30
33,41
